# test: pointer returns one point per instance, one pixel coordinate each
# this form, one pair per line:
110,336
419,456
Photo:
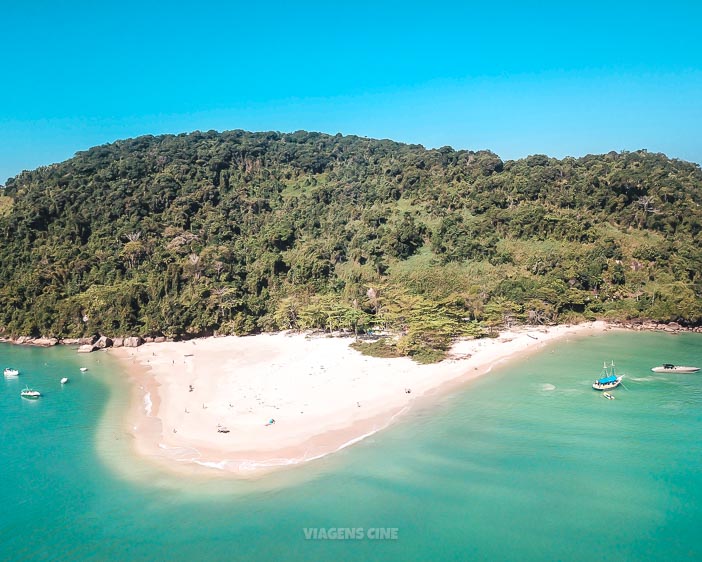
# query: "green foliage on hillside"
237,232
5,204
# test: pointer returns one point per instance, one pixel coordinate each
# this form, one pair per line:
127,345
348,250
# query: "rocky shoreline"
650,326
86,345
95,343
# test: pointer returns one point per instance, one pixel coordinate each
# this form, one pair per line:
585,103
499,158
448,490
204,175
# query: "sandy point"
244,406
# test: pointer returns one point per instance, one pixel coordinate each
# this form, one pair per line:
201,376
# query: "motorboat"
608,378
83,369
670,368
30,393
9,372
608,396
64,380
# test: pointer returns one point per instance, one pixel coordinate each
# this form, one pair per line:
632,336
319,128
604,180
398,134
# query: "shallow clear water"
527,463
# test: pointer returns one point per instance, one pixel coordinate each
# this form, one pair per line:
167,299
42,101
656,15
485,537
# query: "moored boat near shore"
9,372
30,393
608,378
670,368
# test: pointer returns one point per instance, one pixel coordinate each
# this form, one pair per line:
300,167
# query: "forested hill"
237,232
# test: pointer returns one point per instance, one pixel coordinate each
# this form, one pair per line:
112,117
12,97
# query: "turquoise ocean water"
527,463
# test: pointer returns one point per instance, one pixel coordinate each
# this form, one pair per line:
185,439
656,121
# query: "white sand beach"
322,394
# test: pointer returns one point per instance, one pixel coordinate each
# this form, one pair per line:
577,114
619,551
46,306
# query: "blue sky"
518,78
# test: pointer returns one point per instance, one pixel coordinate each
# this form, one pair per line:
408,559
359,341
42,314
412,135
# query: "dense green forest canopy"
237,232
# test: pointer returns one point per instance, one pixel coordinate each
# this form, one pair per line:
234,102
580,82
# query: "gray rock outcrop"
134,341
45,342
103,342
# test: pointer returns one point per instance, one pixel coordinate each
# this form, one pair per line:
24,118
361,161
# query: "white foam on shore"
251,465
221,465
344,445
147,403
181,454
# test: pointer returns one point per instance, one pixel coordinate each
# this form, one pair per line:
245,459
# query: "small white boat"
64,380
608,396
30,393
8,372
670,368
608,379
83,369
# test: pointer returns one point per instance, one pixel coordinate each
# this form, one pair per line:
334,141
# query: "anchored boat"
670,368
9,372
608,378
30,393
